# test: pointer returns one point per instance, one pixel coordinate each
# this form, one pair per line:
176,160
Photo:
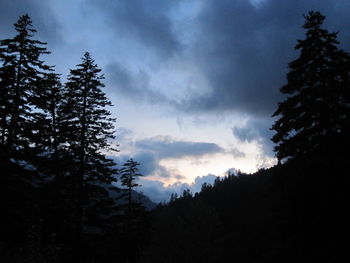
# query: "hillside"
289,213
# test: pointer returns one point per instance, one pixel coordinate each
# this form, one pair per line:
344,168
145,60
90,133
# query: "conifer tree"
87,128
316,113
21,72
129,173
134,211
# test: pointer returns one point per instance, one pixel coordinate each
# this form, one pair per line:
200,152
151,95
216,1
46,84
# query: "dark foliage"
134,213
20,72
56,183
315,115
295,212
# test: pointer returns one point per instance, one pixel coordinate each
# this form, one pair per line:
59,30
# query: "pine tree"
86,129
134,212
21,72
129,173
316,113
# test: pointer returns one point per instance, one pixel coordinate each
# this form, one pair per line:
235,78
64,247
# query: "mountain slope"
289,213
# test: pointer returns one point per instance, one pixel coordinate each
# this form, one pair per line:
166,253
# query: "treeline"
57,193
294,212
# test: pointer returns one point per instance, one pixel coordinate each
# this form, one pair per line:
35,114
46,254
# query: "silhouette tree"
135,214
53,165
316,113
129,173
87,128
49,99
312,133
21,72
55,177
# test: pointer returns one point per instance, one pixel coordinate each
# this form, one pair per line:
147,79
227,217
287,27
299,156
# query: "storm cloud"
244,50
240,47
134,86
145,21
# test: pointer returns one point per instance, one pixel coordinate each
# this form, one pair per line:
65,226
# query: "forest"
59,197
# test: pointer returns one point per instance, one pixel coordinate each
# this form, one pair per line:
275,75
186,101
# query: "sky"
193,82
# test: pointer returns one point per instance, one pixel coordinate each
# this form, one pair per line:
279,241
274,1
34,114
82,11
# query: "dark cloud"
146,21
241,49
132,86
166,147
43,18
244,50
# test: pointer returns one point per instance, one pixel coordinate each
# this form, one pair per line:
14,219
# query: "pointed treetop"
313,112
87,56
129,173
314,19
87,59
23,25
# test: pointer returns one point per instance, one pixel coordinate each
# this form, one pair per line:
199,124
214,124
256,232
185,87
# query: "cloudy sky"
194,82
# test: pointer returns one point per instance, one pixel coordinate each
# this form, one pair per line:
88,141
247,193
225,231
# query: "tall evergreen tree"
87,129
315,115
21,72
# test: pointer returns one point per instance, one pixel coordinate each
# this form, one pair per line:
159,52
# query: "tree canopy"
315,113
